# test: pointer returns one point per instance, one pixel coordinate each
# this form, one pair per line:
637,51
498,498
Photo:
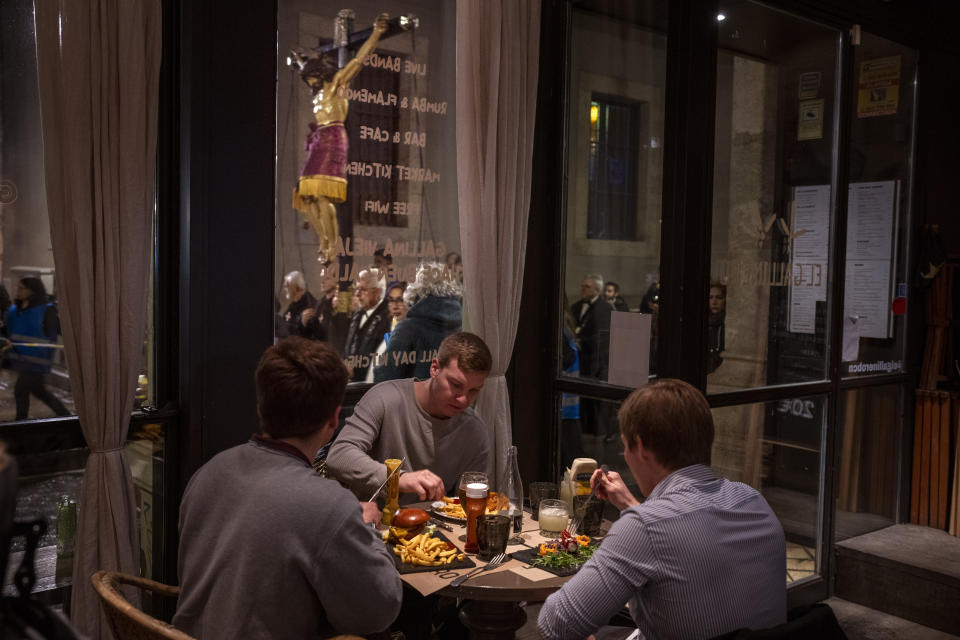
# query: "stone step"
862,623
907,571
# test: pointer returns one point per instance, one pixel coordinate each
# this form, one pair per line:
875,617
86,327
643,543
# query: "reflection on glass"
375,190
881,135
775,448
615,116
34,381
866,489
772,199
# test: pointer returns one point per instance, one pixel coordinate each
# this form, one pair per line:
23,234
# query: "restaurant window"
772,200
614,164
35,381
776,447
371,236
878,208
614,171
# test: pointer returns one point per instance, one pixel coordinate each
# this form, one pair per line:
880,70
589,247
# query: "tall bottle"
512,488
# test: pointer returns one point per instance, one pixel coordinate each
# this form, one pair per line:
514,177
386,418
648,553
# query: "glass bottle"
66,526
512,488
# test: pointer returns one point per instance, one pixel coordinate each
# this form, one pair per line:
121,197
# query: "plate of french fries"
451,508
428,552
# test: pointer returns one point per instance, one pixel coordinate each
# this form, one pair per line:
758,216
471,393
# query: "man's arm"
349,459
615,573
357,561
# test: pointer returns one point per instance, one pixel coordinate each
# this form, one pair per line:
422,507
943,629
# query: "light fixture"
721,17
594,113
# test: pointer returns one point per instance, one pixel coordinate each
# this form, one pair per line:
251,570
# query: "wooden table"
492,609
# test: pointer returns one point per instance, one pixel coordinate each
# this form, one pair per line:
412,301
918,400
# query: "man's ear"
334,421
435,368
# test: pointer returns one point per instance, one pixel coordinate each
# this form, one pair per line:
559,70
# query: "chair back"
811,621
127,621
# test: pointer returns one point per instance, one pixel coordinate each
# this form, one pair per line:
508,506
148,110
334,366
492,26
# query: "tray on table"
404,567
529,555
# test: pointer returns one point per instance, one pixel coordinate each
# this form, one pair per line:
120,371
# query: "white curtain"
497,61
99,69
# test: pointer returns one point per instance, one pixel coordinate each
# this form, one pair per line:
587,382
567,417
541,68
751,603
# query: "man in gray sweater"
428,422
269,549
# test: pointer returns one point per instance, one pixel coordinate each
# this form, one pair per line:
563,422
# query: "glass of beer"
474,489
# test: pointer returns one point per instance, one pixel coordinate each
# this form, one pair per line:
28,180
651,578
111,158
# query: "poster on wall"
879,87
871,245
809,251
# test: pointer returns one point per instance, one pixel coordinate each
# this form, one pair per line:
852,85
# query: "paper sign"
809,85
810,122
879,90
851,339
629,349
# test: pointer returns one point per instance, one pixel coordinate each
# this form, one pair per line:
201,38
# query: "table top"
507,583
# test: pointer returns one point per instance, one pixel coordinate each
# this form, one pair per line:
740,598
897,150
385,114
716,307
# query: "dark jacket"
593,333
292,314
362,342
428,322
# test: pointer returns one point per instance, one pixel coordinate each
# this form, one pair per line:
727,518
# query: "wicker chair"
126,621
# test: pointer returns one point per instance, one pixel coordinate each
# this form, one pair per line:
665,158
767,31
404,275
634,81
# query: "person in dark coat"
435,311
327,321
31,321
591,314
611,292
368,324
295,290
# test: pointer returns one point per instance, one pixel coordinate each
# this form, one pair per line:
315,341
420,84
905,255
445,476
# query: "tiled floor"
801,562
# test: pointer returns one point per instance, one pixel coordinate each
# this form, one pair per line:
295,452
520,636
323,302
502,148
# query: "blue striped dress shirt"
700,557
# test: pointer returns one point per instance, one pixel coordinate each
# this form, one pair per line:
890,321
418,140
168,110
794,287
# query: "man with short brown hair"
269,549
700,557
428,422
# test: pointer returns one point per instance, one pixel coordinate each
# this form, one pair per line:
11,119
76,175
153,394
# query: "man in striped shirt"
700,557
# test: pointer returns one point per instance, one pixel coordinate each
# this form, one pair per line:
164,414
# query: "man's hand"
425,483
611,487
371,512
306,316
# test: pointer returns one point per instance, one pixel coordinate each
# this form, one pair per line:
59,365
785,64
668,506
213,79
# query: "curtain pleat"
497,63
99,67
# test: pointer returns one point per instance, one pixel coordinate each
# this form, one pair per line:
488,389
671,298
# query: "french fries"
495,502
426,551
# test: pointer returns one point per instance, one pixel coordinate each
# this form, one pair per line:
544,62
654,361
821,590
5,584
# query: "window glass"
867,482
34,381
775,447
367,216
881,139
772,202
615,115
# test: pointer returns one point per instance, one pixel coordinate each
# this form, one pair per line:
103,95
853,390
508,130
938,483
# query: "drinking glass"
553,517
492,534
539,491
476,488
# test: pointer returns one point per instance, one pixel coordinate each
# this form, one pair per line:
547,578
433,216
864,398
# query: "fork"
495,562
577,520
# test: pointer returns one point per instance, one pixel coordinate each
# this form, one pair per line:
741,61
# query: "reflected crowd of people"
384,330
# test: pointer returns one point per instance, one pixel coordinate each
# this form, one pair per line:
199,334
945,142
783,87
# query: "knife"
380,488
442,525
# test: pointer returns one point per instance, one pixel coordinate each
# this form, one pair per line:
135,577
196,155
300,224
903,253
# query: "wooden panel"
942,469
917,441
925,461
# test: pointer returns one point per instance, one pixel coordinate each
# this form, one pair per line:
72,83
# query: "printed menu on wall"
871,245
810,249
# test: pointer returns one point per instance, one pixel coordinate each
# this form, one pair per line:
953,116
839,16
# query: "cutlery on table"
495,562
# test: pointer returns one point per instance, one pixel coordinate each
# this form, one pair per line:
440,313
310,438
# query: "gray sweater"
388,422
269,549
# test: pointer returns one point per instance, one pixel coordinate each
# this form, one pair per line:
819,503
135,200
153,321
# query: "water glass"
539,491
589,509
492,534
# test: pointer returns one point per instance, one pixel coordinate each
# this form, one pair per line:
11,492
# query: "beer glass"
475,488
